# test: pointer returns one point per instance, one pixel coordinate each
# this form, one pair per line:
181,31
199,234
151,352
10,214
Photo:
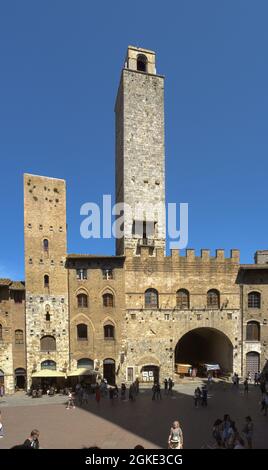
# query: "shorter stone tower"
47,314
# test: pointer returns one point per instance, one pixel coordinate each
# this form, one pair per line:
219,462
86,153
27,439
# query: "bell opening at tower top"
142,62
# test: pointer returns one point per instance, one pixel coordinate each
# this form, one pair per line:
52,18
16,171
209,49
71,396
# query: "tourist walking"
231,435
225,429
248,431
166,385
246,386
217,432
33,441
197,397
70,403
131,393
154,389
158,392
123,391
204,396
263,387
175,439
170,386
137,386
264,403
256,378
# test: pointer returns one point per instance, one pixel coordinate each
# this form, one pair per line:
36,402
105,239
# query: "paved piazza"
117,424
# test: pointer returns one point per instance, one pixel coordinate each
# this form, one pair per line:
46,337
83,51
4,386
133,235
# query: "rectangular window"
130,374
81,274
166,316
107,274
18,337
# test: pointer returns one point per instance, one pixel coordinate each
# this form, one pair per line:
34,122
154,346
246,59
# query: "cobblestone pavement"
117,424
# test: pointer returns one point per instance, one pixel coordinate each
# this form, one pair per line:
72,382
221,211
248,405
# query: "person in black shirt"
33,441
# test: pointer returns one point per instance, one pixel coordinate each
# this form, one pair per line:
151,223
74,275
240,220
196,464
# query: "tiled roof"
17,285
5,282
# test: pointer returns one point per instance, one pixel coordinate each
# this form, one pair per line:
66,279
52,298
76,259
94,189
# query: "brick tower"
45,275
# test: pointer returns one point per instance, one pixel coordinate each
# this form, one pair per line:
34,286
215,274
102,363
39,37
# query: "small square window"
107,273
81,274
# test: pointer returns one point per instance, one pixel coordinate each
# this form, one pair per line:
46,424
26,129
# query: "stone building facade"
140,312
12,335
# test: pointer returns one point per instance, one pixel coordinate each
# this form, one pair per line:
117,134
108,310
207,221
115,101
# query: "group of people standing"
227,435
201,396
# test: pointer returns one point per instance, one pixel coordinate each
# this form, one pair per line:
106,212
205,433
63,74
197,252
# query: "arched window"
254,300
151,298
81,332
82,300
18,337
46,280
1,332
47,316
85,363
48,365
108,300
183,299
142,63
48,343
213,299
109,331
45,244
253,331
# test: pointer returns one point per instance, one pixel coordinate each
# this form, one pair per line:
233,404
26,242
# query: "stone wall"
156,332
12,318
96,315
140,153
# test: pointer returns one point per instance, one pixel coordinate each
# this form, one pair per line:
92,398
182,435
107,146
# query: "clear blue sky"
60,67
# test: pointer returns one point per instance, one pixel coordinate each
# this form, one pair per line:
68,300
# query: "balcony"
146,242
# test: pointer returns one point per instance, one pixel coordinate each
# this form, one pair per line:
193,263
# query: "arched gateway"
205,346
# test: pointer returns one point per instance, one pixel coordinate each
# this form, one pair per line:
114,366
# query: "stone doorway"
109,371
20,378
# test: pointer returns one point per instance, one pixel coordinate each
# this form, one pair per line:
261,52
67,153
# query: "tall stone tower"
140,152
47,327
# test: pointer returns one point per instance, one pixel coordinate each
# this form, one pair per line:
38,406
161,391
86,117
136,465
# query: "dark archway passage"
205,346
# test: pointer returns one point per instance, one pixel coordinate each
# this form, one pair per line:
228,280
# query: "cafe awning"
48,373
81,371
